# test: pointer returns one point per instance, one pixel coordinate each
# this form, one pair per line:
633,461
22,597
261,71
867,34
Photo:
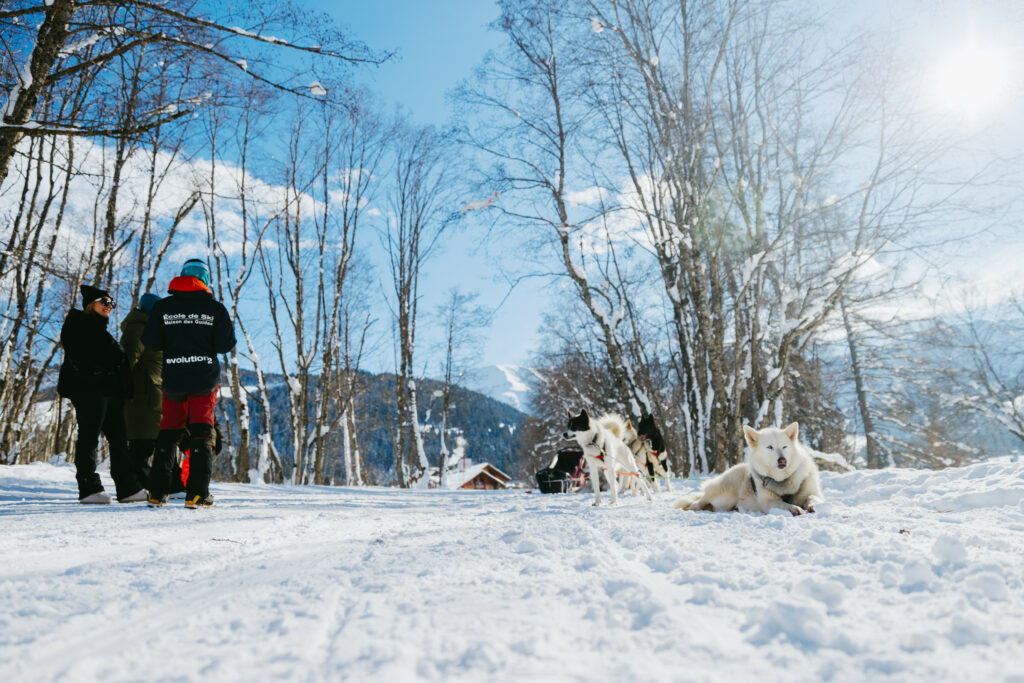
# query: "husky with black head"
648,448
778,473
604,451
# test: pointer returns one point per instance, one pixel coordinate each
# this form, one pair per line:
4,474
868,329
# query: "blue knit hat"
197,268
147,301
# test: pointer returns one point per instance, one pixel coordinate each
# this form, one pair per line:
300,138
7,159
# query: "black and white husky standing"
604,450
648,447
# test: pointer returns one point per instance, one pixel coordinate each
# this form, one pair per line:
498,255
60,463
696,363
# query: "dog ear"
568,412
629,423
583,413
750,434
791,431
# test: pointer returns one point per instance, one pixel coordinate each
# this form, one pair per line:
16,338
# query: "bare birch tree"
334,153
234,258
534,112
462,320
421,205
131,75
355,140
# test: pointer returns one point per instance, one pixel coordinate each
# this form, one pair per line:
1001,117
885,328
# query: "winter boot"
98,498
137,497
89,483
155,501
198,501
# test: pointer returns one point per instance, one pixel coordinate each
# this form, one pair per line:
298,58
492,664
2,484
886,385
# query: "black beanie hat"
90,294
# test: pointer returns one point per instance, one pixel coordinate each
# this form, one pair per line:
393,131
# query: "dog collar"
773,486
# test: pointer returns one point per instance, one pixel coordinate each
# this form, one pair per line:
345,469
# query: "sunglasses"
109,303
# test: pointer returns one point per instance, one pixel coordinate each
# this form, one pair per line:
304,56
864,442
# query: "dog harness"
600,456
773,486
637,447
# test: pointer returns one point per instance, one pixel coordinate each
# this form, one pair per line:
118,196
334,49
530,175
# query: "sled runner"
565,474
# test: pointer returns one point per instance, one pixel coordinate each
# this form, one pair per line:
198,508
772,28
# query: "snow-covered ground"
903,576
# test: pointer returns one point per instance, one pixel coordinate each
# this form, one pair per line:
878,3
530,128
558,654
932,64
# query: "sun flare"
971,80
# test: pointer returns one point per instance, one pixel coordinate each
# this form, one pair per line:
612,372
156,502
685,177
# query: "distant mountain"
510,384
491,428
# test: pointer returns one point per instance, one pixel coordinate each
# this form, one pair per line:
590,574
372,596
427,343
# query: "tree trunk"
873,454
21,103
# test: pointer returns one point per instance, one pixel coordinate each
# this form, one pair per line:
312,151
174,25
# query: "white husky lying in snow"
778,473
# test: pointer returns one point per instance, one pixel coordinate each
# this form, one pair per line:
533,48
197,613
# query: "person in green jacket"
143,411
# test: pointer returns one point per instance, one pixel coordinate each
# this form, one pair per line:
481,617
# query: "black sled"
565,474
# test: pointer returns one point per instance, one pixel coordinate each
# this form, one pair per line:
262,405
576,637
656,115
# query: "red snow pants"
185,409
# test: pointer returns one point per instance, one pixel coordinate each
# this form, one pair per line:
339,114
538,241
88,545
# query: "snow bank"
909,575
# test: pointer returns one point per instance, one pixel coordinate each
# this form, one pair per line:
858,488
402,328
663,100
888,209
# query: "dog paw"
796,510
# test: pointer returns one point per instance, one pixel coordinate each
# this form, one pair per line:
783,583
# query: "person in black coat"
94,376
191,328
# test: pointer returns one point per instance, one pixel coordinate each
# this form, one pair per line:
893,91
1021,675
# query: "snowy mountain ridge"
509,384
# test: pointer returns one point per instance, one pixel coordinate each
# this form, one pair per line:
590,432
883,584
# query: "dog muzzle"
782,463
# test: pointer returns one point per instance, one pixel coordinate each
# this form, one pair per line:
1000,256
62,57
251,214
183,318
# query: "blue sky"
438,44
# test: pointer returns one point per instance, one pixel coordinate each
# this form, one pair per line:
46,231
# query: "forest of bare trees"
726,195
732,212
191,135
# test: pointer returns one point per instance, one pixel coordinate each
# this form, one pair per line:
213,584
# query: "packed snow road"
904,575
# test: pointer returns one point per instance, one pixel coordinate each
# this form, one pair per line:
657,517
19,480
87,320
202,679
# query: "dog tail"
686,501
613,423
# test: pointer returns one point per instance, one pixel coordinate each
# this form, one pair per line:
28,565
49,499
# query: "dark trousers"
98,414
140,452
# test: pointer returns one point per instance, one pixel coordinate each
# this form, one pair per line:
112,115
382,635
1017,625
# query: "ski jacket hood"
187,283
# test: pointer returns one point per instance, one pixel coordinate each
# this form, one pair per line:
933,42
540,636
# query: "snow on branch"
40,128
481,204
241,32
